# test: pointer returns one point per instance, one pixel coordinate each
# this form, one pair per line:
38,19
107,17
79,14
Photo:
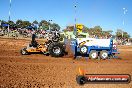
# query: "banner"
79,28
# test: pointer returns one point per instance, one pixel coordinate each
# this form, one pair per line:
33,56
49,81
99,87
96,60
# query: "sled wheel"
24,51
93,54
104,54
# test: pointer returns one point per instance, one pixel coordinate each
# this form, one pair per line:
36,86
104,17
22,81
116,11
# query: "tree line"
99,32
43,24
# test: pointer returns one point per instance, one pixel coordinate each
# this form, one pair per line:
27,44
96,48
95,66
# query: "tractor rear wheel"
56,49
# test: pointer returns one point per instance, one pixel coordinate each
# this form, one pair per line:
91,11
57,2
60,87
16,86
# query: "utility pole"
75,9
124,13
9,18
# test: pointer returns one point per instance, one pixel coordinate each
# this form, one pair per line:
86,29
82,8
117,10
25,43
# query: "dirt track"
37,70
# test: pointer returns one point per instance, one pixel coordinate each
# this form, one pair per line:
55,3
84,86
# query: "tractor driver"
34,42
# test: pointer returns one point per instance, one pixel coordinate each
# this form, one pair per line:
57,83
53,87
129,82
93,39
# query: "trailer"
94,48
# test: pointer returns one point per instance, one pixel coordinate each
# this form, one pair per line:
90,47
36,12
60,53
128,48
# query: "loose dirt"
40,71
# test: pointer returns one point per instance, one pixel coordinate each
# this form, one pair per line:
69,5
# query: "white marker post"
49,25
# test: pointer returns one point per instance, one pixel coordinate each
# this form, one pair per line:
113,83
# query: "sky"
108,14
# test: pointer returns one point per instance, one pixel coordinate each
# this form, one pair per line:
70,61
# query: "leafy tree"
98,29
121,34
2,21
19,23
85,29
11,23
55,26
44,24
70,28
90,31
107,33
26,24
35,22
126,35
